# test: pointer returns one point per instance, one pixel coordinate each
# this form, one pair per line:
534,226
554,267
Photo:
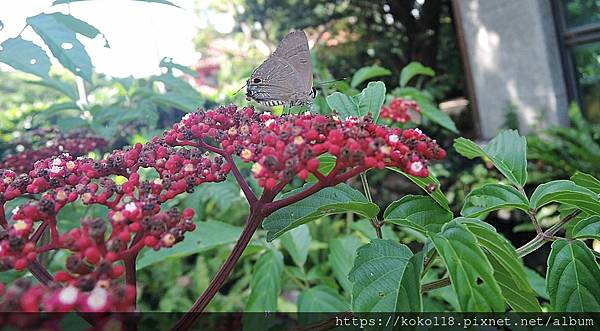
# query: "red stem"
253,222
250,196
3,221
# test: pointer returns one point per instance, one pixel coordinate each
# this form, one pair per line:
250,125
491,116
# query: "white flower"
131,207
97,299
416,166
68,295
394,138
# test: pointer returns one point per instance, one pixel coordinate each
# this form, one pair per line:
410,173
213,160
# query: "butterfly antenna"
238,91
331,81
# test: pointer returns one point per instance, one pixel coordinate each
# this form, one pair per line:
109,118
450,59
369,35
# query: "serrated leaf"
165,2
424,184
376,276
207,235
508,267
588,181
63,44
328,201
470,270
266,283
79,26
418,212
413,69
366,73
368,101
587,228
342,252
566,192
297,242
25,56
538,283
493,197
507,151
572,278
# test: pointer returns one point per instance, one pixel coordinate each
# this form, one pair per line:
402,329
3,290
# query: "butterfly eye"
256,80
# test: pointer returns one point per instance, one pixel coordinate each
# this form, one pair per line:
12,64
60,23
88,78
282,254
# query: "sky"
140,34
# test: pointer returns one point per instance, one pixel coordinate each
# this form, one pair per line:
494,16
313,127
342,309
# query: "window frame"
568,38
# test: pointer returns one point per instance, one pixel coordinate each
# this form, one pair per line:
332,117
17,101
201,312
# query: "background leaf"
25,56
266,283
79,26
207,235
321,299
469,269
413,69
428,109
424,184
342,252
377,273
63,44
587,228
573,277
328,201
366,73
297,242
587,181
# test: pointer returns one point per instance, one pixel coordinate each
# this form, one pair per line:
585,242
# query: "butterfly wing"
286,76
294,50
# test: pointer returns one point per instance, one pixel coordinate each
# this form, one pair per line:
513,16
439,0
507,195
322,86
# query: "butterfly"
285,78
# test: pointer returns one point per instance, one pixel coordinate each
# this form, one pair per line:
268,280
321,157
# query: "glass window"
587,64
581,12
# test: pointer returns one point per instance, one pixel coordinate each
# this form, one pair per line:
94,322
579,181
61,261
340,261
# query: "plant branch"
435,284
543,237
374,220
252,224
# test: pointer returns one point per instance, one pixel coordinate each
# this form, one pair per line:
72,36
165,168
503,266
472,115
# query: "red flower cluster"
77,144
287,146
399,110
103,249
135,220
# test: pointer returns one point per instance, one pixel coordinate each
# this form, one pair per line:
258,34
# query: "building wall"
513,55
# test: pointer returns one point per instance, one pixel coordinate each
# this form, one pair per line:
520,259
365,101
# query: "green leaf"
507,151
493,197
368,101
63,43
366,73
588,181
59,2
168,63
566,192
183,102
266,283
409,294
572,278
377,273
326,164
207,235
508,267
296,242
538,283
57,85
470,271
328,201
587,228
25,56
321,299
79,26
417,212
424,184
428,109
413,69
342,252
